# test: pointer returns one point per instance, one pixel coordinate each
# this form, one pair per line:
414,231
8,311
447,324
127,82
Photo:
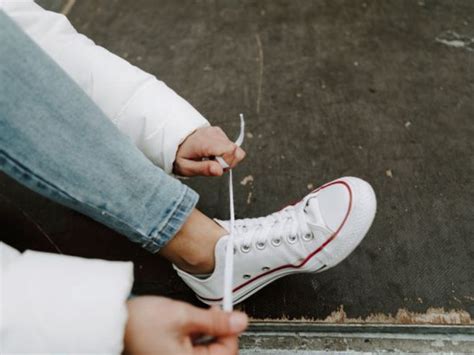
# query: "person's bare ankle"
192,249
198,265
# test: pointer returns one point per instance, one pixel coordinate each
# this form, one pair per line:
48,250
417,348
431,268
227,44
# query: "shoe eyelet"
260,245
246,276
245,248
308,236
276,242
265,268
244,228
292,238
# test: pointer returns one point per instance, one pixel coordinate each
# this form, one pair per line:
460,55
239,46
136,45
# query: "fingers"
235,156
221,146
223,346
206,142
187,167
215,322
219,142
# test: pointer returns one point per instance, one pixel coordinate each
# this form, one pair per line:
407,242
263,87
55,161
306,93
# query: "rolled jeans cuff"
55,140
171,224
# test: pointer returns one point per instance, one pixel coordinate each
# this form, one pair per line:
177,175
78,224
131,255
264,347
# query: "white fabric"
142,107
62,304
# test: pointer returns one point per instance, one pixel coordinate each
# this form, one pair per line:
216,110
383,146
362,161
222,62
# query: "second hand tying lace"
229,256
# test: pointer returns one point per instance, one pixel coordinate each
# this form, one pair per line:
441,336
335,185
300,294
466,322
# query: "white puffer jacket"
55,303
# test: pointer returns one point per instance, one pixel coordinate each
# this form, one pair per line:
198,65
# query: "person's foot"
313,235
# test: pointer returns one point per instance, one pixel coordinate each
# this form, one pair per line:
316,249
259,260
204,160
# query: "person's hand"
206,143
158,325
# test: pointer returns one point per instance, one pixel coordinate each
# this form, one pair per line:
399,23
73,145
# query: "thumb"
189,167
216,322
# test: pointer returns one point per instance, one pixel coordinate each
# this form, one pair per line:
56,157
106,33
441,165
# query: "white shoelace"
288,224
229,256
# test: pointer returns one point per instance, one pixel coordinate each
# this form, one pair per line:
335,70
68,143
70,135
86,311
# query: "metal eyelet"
260,245
245,248
244,228
246,276
308,236
276,242
265,268
292,238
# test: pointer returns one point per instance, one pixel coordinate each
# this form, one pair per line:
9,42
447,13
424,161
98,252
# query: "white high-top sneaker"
313,235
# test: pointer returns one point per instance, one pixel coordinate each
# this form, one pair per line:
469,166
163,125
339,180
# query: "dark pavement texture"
382,90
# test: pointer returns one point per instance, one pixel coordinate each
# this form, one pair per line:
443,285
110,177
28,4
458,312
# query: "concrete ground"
379,90
305,338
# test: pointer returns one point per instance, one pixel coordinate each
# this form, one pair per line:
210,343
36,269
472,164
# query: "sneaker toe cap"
348,207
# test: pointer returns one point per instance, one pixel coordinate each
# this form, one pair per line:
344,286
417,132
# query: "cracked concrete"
454,39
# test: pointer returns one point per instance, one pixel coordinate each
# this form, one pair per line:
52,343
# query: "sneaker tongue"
313,214
223,224
219,252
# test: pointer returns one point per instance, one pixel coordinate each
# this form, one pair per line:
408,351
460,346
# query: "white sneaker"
313,235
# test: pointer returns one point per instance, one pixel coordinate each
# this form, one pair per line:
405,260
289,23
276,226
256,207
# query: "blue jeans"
57,142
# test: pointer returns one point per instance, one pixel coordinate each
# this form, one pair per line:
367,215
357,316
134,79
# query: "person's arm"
61,304
142,107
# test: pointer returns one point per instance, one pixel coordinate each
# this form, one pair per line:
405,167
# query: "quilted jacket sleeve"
142,107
